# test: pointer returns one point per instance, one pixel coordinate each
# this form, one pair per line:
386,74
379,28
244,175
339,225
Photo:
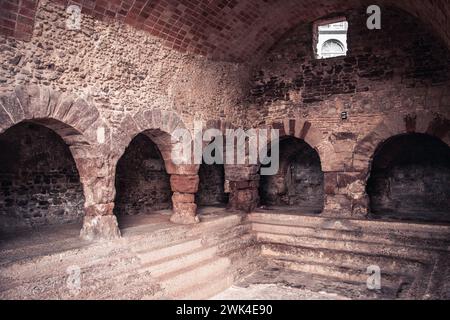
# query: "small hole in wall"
330,38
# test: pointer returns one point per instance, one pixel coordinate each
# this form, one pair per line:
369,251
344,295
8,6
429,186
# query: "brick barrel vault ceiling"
232,30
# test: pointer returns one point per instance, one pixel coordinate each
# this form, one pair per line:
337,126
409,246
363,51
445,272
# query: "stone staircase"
178,262
316,253
337,253
187,270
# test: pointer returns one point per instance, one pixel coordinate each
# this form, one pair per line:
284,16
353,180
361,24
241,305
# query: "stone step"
98,275
177,262
341,258
164,237
177,281
355,247
131,287
152,256
352,235
390,282
405,229
35,251
208,288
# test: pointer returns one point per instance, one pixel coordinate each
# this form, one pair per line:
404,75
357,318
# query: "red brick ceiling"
235,30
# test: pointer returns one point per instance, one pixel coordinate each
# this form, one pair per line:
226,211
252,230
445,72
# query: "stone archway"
211,191
299,184
40,182
409,179
160,126
431,124
243,181
142,183
78,124
392,125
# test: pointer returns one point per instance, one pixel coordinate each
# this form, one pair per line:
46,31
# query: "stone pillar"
184,188
242,183
345,177
345,194
97,177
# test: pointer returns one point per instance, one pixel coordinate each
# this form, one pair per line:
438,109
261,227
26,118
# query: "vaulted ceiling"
236,30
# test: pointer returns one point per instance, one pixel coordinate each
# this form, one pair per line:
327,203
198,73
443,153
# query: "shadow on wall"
39,180
410,179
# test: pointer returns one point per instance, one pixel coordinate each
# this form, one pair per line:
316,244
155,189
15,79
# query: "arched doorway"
299,184
142,183
40,185
410,179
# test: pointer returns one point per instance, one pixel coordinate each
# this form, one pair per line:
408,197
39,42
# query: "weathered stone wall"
394,80
142,183
119,69
410,179
124,80
211,187
39,180
109,81
401,67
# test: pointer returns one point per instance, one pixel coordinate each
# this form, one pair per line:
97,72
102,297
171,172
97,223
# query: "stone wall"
401,67
120,69
112,82
39,180
392,81
142,183
109,81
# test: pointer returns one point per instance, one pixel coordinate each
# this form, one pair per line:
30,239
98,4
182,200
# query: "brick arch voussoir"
160,126
302,130
394,125
326,154
74,119
366,147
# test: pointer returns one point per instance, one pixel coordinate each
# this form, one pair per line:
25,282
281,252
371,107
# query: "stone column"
345,194
97,177
242,183
184,188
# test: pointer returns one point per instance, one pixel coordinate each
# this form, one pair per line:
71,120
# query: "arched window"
330,38
332,48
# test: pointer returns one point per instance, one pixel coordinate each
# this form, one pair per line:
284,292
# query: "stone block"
183,198
184,184
100,228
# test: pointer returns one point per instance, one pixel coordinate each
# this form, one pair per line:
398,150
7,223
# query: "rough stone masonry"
87,114
117,77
